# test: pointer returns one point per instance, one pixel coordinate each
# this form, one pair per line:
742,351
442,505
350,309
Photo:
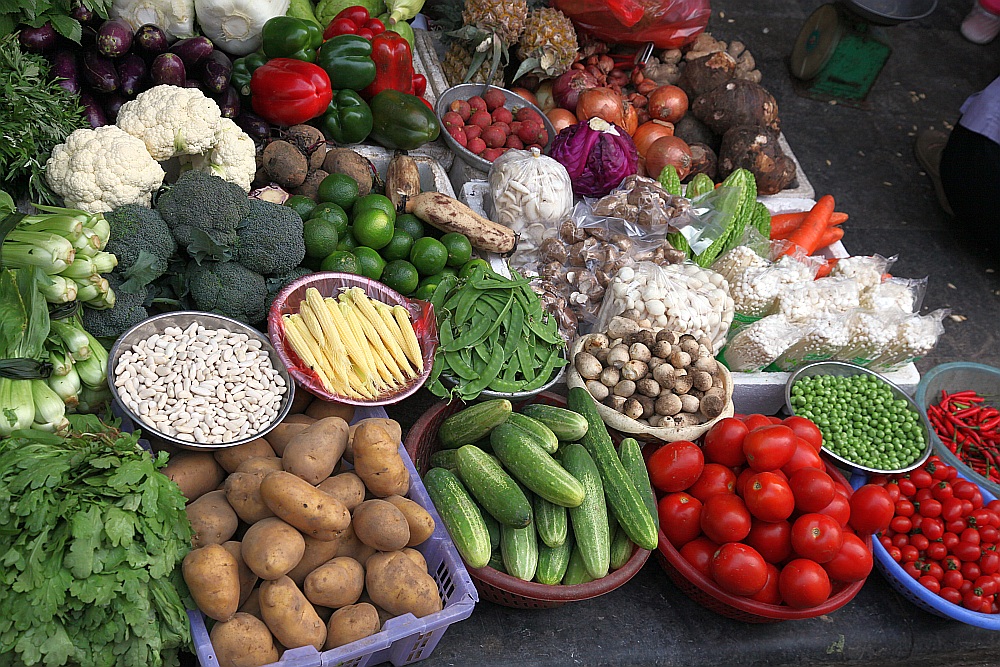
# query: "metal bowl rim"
518,395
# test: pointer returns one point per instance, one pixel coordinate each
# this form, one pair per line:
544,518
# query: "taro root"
707,73
615,402
598,390
689,403
587,365
738,102
693,131
632,408
625,388
610,376
668,404
703,160
756,149
647,386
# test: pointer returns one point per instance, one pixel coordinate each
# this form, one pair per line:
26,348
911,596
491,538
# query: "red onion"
567,88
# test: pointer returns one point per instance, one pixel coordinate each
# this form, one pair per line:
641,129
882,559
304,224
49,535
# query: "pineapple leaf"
527,66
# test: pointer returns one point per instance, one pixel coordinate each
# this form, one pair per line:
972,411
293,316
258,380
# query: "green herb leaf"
67,27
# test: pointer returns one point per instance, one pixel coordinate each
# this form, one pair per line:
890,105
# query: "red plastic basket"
493,585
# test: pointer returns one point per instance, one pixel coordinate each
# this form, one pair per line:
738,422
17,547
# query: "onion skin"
649,132
668,150
668,103
560,118
601,103
567,88
526,94
543,95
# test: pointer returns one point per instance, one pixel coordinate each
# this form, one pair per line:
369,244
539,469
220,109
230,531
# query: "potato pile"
661,379
294,548
301,159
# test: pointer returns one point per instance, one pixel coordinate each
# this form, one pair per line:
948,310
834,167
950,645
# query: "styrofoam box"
803,188
404,639
433,177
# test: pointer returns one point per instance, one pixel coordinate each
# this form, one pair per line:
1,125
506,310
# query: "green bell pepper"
402,121
242,71
348,119
348,61
289,37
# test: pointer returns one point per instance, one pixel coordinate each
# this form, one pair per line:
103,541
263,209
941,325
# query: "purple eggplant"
100,72
38,40
253,125
114,38
132,71
229,102
112,103
194,83
151,39
88,37
83,14
168,68
92,111
192,50
215,71
65,69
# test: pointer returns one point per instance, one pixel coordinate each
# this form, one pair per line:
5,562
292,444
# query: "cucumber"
460,516
445,458
621,549
551,522
496,560
590,519
566,424
623,499
576,571
534,467
492,487
542,433
630,454
473,423
519,547
493,528
552,561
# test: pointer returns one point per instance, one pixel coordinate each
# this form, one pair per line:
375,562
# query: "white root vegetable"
450,215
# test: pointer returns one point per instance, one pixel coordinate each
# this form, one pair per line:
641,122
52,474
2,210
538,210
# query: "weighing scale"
843,46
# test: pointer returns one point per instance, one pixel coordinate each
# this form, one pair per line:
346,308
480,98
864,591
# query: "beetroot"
494,99
476,103
462,108
482,119
502,115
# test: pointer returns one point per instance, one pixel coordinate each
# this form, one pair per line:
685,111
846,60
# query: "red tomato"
910,553
951,595
936,550
770,593
930,583
942,491
964,489
817,536
921,478
971,571
901,524
680,517
715,478
930,508
805,429
724,518
813,489
738,569
724,443
905,508
906,487
803,457
895,554
698,552
852,563
966,551
803,584
771,539
839,508
987,584
769,447
951,509
675,466
952,578
989,562
871,509
755,421
741,480
919,541
768,497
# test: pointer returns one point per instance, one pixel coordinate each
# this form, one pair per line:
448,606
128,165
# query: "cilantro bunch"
91,536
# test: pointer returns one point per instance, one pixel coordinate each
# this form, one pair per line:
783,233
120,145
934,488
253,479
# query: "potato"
304,506
416,557
247,577
352,547
300,419
243,493
313,453
351,623
383,616
271,548
231,457
212,575
335,584
243,641
380,525
320,409
317,552
196,473
264,464
398,585
301,401
347,161
290,616
212,518
345,487
419,520
285,163
282,434
377,461
252,604
391,425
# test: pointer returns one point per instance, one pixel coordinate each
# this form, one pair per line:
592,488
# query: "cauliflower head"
99,170
176,17
172,121
233,158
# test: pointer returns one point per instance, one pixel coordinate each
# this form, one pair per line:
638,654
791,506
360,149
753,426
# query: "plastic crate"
404,639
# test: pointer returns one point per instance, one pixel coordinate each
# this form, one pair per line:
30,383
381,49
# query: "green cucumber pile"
541,495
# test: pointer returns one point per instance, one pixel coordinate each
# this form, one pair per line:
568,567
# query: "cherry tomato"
966,551
922,495
805,429
895,554
906,487
817,536
989,535
769,447
852,563
755,421
934,569
977,499
955,526
933,529
912,568
994,505
972,600
986,584
770,594
951,595
768,497
813,489
921,478
738,569
930,583
910,553
930,508
804,456
967,507
952,579
938,470
971,571
937,550
919,541
901,524
970,535
715,478
803,584
904,508
675,466
680,517
771,539
871,509
885,541
951,509
724,443
900,540
950,562
964,490
989,562
698,552
724,518
980,518
893,490
942,491
839,508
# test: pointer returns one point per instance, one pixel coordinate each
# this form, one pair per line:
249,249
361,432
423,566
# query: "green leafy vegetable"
37,13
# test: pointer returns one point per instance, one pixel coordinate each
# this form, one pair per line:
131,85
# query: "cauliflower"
102,169
234,156
172,121
176,17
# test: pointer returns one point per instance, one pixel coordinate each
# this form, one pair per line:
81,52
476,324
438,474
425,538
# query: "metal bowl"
891,12
183,319
464,91
516,396
845,369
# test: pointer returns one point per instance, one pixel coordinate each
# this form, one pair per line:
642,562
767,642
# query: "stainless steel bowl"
183,319
845,369
557,377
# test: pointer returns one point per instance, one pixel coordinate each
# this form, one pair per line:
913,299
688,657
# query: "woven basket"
493,585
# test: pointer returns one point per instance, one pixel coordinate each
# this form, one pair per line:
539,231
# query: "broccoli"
230,289
128,311
269,240
203,211
142,242
277,283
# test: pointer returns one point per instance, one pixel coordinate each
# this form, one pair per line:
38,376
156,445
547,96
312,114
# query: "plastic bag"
822,338
759,344
644,205
818,298
736,261
867,270
755,291
903,294
531,194
915,336
870,332
669,24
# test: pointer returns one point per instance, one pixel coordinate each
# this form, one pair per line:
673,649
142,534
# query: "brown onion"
668,150
630,117
561,118
602,103
649,132
668,103
567,88
543,95
526,94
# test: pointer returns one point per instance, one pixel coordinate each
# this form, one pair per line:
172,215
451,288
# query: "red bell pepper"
393,65
286,91
419,84
354,20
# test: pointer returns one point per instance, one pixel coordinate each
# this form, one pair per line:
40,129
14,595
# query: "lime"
471,264
401,276
447,271
459,248
334,213
425,290
302,205
313,263
428,255
373,228
398,247
321,237
377,202
340,189
341,261
370,263
410,224
347,240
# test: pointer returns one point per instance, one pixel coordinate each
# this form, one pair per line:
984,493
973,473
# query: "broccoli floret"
203,212
230,289
128,311
269,240
142,242
277,283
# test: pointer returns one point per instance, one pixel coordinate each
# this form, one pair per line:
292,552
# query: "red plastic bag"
669,24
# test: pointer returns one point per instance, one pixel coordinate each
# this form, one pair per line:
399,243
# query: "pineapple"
457,61
547,47
490,28
506,18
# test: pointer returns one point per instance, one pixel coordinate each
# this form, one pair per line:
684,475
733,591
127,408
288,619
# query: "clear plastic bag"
866,269
755,291
870,332
821,340
644,205
669,24
741,258
761,343
915,336
818,298
903,294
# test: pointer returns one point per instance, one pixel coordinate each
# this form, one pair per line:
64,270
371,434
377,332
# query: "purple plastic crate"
404,639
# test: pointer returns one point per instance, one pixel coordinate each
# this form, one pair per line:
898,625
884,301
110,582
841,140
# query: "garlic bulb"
531,193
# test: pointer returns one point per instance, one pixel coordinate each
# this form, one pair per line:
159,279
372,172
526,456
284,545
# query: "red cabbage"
597,154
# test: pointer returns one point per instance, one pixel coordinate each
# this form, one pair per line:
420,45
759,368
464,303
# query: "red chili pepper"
393,65
349,21
286,91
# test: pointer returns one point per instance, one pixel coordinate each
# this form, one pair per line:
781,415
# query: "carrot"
825,269
783,224
808,234
830,236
